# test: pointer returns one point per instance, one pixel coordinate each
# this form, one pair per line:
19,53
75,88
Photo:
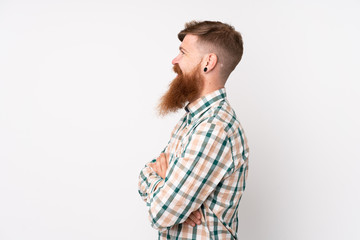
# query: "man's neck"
205,92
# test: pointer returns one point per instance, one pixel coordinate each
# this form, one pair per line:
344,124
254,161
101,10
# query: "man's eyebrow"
182,49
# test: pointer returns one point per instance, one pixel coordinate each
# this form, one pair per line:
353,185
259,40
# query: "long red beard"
184,88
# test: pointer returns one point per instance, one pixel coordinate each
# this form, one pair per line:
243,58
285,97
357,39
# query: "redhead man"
193,188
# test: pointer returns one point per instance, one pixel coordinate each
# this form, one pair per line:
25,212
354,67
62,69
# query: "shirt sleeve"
203,162
148,179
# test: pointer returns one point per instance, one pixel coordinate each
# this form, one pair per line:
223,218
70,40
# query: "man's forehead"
189,42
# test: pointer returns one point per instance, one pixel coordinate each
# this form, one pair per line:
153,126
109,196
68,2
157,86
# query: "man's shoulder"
222,115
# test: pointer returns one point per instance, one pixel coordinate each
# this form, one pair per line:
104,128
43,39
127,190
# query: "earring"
205,69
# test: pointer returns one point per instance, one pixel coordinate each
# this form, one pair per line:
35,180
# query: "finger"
154,167
158,167
159,159
161,167
167,160
190,222
198,214
194,218
164,163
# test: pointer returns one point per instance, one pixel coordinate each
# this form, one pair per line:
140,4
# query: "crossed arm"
160,167
192,176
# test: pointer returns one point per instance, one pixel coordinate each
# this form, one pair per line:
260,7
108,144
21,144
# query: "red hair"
222,39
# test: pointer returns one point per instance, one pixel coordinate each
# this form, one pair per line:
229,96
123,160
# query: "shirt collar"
204,102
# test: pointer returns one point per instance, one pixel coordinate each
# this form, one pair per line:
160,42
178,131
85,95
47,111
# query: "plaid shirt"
208,167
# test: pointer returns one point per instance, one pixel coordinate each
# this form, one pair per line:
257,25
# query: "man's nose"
175,60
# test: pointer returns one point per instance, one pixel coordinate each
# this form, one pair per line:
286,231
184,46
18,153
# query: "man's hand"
194,218
161,165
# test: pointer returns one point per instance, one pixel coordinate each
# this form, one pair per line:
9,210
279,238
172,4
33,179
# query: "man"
194,187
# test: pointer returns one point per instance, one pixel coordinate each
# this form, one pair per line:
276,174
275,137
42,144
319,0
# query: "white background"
79,82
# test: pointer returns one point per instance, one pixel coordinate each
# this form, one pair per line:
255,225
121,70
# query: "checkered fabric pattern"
208,167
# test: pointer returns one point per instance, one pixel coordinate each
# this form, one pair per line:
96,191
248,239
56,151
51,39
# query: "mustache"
177,69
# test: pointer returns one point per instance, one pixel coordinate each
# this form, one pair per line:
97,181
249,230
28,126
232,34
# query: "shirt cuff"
155,184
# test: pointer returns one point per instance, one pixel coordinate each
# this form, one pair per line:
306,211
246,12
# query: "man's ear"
210,62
